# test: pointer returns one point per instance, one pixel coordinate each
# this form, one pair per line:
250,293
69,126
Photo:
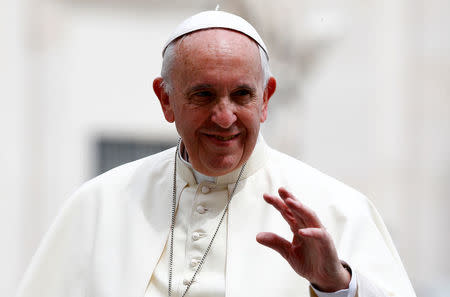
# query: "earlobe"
268,92
164,99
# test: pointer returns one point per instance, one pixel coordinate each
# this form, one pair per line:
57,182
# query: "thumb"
274,242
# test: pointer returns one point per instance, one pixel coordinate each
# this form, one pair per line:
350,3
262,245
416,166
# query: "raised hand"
311,253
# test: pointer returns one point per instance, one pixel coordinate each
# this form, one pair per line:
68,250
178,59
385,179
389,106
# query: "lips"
223,138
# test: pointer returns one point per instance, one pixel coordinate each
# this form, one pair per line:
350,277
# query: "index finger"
300,211
285,212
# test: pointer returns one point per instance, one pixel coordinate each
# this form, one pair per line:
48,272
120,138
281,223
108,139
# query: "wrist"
340,280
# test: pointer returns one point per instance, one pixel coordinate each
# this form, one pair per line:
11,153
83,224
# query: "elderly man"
183,222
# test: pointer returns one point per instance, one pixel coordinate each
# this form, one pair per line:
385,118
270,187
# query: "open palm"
311,253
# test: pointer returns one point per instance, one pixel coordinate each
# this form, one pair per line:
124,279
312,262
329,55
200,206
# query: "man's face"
218,99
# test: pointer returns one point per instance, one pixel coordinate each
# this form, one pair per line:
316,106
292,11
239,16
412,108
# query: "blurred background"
363,95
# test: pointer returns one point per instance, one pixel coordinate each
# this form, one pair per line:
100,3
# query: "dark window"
114,152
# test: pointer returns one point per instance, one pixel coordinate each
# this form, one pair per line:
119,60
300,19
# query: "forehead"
218,43
214,53
208,38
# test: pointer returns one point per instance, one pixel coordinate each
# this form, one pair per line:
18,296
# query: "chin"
222,166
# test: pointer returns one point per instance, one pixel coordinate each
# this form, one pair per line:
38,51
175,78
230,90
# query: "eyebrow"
198,87
209,86
245,86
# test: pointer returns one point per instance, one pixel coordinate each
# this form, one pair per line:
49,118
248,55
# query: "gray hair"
169,59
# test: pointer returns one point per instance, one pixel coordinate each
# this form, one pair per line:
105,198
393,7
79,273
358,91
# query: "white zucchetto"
216,19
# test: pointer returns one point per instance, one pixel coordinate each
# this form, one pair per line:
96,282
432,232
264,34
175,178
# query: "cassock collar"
255,162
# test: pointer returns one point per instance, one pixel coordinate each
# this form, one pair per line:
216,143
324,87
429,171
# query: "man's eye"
203,94
241,93
202,97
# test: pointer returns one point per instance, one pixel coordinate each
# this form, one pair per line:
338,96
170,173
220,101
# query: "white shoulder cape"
110,234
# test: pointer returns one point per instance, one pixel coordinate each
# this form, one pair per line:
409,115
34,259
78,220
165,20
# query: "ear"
268,92
164,99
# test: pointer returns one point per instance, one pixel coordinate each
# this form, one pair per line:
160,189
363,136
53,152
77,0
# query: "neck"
199,177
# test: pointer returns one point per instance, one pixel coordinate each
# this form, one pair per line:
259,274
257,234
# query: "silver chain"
172,227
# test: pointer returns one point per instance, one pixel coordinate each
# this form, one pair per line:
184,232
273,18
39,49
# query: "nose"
223,113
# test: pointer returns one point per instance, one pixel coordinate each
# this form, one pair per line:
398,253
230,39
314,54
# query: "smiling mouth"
224,138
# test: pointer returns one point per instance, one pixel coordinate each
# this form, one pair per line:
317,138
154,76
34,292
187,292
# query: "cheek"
263,112
190,120
259,114
252,119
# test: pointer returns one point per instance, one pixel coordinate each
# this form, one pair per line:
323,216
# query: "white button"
195,236
194,262
205,190
185,282
201,209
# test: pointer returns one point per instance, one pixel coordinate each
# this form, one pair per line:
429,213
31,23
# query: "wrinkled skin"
311,253
218,100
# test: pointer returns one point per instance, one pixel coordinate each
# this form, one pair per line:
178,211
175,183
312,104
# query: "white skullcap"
216,19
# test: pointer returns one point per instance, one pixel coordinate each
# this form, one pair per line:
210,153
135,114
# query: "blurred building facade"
363,95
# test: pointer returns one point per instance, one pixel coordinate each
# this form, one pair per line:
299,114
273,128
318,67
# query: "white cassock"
110,238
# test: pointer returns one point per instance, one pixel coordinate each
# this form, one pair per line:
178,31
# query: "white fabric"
159,285
216,19
200,208
199,177
110,235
